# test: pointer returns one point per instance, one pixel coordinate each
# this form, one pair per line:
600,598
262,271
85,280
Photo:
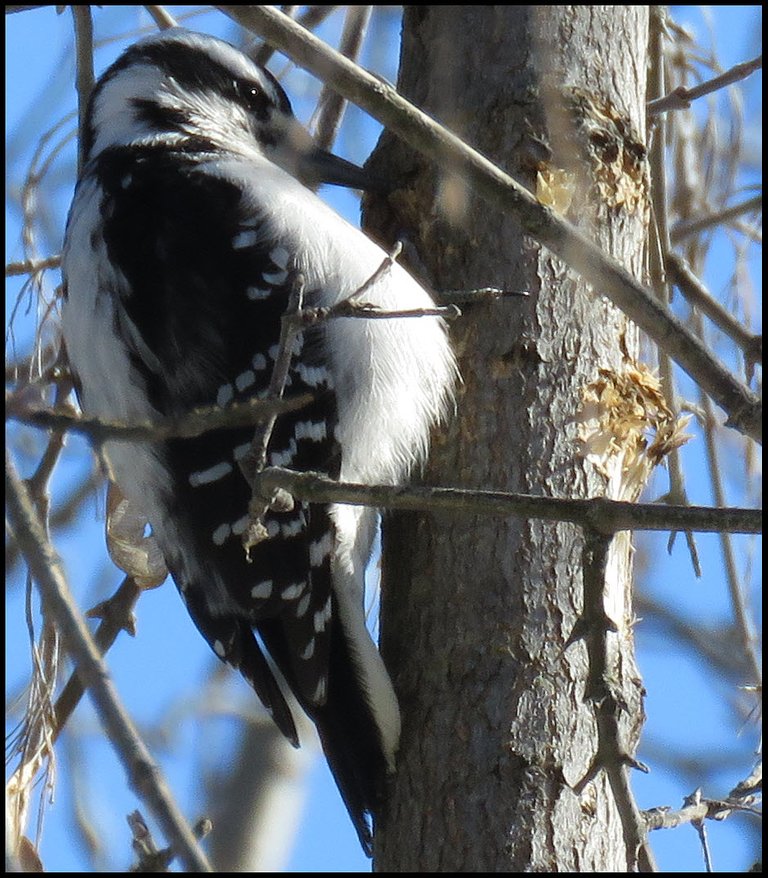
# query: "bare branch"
693,227
39,166
294,321
84,78
681,97
483,294
185,426
32,266
607,276
601,514
384,268
332,104
710,644
365,311
659,247
696,808
162,18
144,776
594,626
62,514
311,18
745,626
256,459
116,615
700,297
150,858
354,306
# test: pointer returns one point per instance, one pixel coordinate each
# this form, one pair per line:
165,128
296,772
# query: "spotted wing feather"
200,314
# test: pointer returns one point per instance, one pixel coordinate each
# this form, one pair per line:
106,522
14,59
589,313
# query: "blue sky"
168,663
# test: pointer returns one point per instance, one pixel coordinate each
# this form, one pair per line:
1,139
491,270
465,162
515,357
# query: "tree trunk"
477,611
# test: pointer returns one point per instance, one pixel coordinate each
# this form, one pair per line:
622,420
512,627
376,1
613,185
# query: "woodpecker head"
191,91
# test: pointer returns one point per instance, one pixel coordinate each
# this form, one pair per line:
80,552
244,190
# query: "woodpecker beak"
319,166
296,152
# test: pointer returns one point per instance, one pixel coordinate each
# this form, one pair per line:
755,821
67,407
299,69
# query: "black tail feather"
347,729
253,666
233,641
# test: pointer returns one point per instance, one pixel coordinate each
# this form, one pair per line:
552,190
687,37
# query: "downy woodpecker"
193,213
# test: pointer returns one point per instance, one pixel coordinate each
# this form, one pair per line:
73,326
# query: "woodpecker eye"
254,99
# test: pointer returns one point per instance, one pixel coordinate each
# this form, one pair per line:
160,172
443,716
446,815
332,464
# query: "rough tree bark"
477,611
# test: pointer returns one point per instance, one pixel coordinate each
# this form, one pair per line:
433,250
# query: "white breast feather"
393,378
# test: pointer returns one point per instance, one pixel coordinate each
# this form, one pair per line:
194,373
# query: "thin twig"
162,18
294,321
37,737
186,426
680,98
84,78
744,623
603,515
693,227
143,775
256,459
62,514
37,369
483,294
611,756
38,483
607,276
710,644
150,858
677,488
698,808
332,105
385,267
32,266
36,171
701,828
700,297
750,232
366,311
116,615
314,16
